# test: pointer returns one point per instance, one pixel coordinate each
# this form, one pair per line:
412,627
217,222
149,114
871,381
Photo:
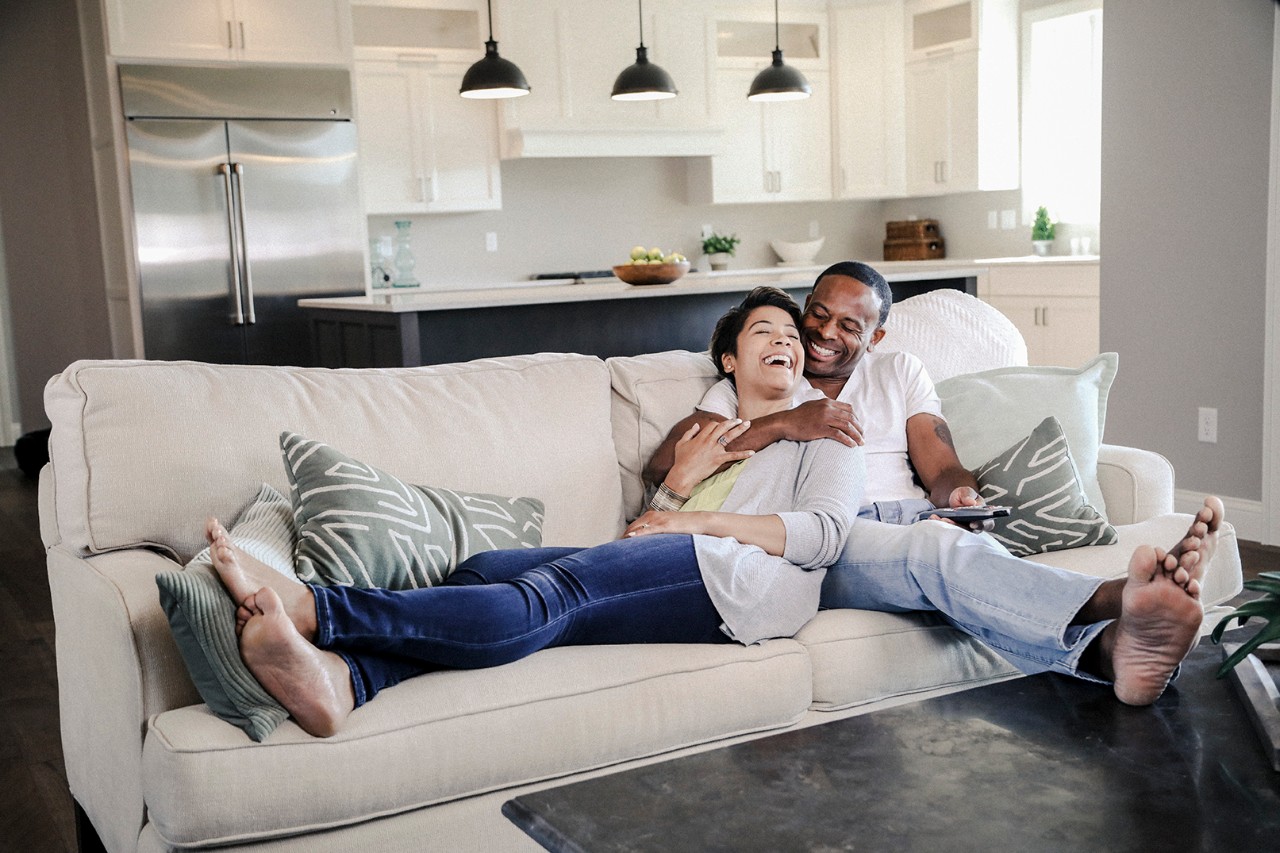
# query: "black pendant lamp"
778,82
643,81
493,76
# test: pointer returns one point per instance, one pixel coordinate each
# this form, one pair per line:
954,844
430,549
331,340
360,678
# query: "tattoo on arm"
943,432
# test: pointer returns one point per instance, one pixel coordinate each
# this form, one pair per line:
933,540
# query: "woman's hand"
701,452
664,522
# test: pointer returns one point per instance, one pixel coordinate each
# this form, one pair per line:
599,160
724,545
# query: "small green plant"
718,243
1267,607
1042,228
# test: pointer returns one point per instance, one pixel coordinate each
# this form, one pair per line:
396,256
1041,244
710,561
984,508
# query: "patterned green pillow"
1038,479
202,617
360,526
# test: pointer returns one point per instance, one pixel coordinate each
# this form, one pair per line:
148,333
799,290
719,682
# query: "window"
1062,111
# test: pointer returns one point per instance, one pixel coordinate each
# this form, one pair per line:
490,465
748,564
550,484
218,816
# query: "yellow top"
710,494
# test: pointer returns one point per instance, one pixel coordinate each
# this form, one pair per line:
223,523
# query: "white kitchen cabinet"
424,149
868,86
310,31
961,96
1055,307
571,51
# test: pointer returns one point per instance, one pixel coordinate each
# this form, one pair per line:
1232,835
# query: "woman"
741,559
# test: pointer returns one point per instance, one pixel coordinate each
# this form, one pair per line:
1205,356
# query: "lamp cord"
490,4
640,3
777,38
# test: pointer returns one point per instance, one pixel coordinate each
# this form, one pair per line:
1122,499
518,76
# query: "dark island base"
604,328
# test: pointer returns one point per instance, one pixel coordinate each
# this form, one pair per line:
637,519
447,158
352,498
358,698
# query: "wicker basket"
912,229
915,250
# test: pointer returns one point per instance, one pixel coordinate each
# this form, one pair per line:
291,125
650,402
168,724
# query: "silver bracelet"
667,499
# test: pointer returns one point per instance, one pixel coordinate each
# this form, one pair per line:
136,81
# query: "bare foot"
1159,623
1204,528
243,575
313,685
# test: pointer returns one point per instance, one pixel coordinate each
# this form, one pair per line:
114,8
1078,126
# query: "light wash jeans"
1022,610
907,511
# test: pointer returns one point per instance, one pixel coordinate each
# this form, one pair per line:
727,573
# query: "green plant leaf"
1266,635
1261,584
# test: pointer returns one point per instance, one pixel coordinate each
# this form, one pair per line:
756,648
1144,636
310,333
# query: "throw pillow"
990,410
1038,480
202,617
360,526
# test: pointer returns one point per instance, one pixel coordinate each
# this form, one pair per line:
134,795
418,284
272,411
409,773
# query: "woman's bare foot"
243,575
313,685
1159,623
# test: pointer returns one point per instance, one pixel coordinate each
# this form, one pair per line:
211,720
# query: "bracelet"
667,499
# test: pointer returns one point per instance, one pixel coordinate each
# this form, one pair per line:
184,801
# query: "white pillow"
989,411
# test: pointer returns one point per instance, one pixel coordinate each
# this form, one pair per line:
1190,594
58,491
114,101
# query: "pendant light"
643,81
778,82
492,76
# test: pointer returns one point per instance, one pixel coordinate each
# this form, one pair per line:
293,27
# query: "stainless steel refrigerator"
245,199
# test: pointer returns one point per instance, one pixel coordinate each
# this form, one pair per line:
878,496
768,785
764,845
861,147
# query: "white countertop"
437,298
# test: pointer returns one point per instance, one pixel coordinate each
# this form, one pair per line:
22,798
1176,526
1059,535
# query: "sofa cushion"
1038,480
953,333
989,411
360,526
177,441
451,734
202,617
863,656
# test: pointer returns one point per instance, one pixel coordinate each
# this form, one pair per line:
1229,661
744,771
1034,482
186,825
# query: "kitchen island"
601,317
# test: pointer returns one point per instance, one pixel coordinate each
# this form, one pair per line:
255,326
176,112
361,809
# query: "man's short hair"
724,340
862,272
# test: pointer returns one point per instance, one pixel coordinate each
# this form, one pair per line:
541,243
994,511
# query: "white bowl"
797,253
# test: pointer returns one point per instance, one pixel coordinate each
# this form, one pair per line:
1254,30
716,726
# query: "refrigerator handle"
247,275
237,319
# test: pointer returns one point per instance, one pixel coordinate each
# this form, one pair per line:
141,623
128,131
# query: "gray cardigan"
815,487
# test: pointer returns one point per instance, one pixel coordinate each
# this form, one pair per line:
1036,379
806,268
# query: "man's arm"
825,418
933,455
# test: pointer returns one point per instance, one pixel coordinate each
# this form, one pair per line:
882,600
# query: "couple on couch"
749,512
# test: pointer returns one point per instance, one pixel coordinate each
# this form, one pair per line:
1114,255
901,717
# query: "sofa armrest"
1136,484
117,667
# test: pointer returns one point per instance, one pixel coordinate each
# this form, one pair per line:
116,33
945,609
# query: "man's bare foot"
1159,623
313,685
1204,528
243,575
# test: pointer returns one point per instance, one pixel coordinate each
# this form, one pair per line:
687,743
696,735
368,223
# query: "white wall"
1185,162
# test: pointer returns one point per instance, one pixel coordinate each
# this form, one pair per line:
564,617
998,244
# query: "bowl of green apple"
652,266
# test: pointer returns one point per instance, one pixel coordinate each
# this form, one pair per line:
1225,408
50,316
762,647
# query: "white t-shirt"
885,390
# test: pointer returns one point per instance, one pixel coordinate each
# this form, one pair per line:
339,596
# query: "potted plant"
1042,231
1267,607
719,249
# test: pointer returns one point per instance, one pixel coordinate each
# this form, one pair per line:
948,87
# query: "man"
883,401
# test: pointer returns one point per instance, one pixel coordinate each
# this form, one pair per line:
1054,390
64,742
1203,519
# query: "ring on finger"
724,441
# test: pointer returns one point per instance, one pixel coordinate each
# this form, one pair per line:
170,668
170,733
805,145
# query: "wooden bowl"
651,273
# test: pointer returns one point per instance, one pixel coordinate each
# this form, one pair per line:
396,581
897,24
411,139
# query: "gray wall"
1185,160
48,211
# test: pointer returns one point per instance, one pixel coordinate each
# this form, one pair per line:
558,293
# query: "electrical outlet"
1207,425
491,241
993,219
707,231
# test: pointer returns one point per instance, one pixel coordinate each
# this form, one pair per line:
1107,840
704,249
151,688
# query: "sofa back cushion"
953,333
143,451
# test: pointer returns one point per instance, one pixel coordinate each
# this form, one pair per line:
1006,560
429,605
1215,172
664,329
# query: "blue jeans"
1021,609
907,511
499,606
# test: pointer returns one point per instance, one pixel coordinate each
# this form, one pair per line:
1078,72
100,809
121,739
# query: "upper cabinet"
423,147
571,51
306,31
870,153
774,150
961,96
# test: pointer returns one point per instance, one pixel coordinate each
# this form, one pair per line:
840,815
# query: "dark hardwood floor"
35,809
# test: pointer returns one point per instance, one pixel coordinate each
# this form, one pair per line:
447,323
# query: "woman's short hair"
724,340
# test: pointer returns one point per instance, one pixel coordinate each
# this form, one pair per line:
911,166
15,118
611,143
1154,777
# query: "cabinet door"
869,112
738,169
293,31
928,122
388,120
162,29
798,142
1024,311
460,138
1070,326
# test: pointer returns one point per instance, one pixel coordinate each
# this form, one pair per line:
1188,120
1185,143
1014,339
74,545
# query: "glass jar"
405,261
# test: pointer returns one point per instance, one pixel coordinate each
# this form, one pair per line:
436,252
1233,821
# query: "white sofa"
141,452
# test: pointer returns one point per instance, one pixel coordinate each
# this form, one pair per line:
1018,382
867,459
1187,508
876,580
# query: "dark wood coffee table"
1043,763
